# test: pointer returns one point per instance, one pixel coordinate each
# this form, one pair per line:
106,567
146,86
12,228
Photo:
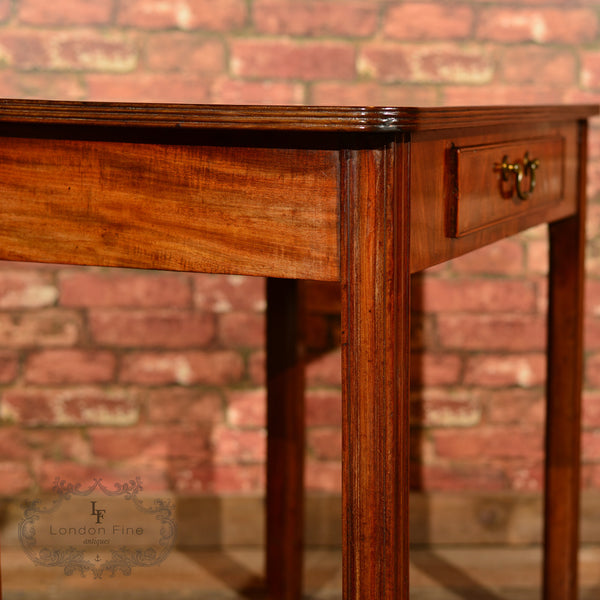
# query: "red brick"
13,444
149,87
150,443
183,368
24,49
372,94
475,295
14,478
590,70
488,443
46,86
247,408
500,93
428,21
526,476
64,12
69,406
182,405
590,444
26,289
590,478
184,52
523,370
591,409
430,63
323,407
256,367
591,333
537,257
219,479
69,366
592,297
91,50
124,289
423,332
594,141
325,443
226,293
438,407
233,446
542,25
385,62
593,228
42,329
225,15
514,406
593,179
234,91
502,258
9,81
5,6
58,444
242,329
162,328
545,66
427,369
315,17
442,477
326,370
286,59
491,332
323,476
593,370
9,366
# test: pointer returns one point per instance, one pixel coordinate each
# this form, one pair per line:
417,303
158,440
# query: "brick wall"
117,373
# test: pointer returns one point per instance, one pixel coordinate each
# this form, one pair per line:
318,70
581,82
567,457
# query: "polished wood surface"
279,118
563,393
285,443
485,215
375,357
362,196
170,206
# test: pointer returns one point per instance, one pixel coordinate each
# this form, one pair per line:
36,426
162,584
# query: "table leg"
375,368
563,427
285,445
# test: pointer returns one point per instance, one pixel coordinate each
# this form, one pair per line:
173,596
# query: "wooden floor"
474,573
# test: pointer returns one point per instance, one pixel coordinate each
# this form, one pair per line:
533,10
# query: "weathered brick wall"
120,373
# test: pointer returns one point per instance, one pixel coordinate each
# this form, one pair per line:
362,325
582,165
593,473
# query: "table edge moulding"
365,196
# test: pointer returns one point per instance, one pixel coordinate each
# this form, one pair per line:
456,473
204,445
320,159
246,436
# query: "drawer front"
498,182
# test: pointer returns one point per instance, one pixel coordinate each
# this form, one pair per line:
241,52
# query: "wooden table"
363,196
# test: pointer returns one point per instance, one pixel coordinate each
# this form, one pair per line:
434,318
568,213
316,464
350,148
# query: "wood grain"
257,211
375,372
483,198
563,394
434,190
285,445
282,118
358,195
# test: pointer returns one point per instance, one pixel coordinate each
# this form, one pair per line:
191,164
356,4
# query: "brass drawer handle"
521,170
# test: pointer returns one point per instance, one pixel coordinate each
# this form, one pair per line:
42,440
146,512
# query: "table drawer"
497,182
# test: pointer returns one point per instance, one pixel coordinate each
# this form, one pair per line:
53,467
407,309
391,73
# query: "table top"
192,187
290,118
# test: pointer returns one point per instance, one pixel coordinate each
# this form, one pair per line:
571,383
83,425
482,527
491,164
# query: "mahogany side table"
363,196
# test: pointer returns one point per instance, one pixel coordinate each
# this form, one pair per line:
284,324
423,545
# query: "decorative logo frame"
117,560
